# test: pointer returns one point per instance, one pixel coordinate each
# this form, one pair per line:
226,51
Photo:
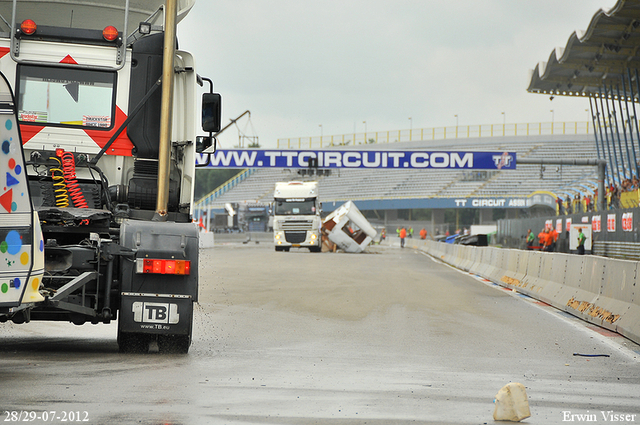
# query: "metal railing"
438,133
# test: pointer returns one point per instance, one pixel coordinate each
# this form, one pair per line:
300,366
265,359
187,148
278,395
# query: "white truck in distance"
296,216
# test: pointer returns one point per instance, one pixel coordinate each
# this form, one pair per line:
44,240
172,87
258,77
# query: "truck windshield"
63,96
295,206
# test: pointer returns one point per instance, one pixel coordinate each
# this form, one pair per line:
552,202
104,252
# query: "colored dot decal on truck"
21,266
14,242
35,283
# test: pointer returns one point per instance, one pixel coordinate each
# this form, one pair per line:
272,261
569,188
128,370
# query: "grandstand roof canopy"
597,58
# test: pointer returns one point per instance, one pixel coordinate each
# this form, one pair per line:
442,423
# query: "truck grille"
295,236
296,225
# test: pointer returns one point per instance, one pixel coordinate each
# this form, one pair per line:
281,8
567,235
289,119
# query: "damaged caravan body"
348,229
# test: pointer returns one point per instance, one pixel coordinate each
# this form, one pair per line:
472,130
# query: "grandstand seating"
375,184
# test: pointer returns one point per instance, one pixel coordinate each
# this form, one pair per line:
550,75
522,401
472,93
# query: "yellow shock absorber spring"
59,185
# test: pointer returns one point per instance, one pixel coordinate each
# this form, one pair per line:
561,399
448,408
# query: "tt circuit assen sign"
364,159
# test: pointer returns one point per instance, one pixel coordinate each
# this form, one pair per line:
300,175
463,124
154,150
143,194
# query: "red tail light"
28,27
153,266
110,33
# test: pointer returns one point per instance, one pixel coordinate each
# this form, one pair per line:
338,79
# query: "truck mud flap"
156,314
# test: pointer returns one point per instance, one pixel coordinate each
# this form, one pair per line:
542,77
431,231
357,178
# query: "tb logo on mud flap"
144,312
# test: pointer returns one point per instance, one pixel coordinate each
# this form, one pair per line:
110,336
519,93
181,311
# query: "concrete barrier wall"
600,290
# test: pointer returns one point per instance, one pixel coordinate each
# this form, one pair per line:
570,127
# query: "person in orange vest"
554,238
423,233
542,237
403,234
547,240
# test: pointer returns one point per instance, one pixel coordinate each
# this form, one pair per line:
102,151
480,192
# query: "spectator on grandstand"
530,239
577,205
402,234
588,203
614,196
423,233
559,204
629,184
567,201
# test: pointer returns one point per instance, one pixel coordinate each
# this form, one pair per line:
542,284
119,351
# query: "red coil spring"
69,170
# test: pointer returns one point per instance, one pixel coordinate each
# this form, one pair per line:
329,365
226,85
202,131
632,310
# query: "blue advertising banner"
364,159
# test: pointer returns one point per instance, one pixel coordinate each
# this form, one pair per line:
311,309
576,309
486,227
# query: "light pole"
588,119
456,115
365,131
504,123
410,128
552,120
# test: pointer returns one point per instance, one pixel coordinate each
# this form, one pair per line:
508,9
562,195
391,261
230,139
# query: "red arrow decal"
6,199
28,131
68,59
122,145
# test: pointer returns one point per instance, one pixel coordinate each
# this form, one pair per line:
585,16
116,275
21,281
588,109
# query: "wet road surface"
389,337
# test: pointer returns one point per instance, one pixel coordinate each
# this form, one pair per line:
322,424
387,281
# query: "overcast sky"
298,65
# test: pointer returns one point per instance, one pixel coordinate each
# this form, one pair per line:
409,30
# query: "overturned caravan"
348,229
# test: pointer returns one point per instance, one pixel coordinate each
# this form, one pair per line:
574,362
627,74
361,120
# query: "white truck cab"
296,216
98,148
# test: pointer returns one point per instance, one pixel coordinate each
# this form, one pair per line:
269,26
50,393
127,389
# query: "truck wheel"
278,248
132,343
174,344
315,249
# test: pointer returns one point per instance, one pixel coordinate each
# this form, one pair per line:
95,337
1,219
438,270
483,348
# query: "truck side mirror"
205,142
211,112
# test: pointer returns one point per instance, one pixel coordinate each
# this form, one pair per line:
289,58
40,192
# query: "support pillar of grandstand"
437,219
486,216
390,216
